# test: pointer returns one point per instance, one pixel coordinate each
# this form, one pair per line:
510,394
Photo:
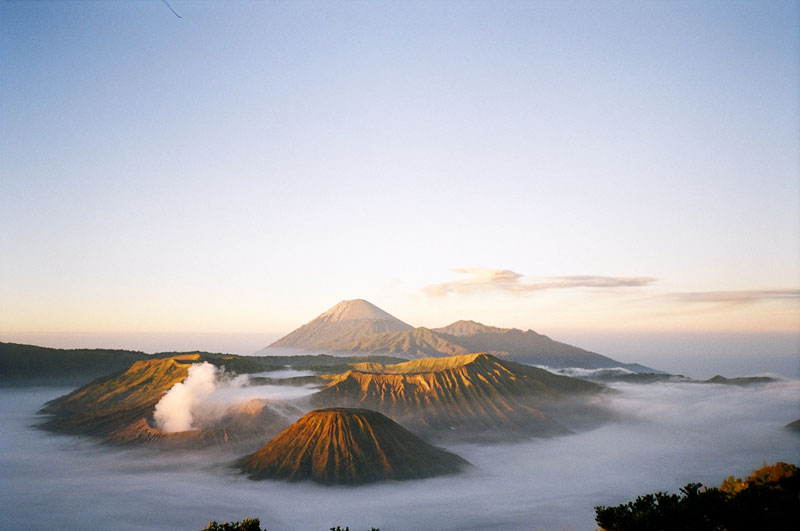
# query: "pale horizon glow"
220,179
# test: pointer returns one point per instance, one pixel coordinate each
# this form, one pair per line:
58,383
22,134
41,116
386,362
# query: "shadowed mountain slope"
526,347
476,395
348,446
342,324
359,326
417,342
32,365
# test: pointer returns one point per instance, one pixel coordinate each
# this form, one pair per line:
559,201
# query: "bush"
768,499
248,524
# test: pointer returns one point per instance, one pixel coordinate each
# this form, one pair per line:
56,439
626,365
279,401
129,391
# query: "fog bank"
671,435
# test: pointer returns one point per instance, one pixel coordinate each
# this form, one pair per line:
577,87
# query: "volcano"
360,326
477,395
348,446
341,325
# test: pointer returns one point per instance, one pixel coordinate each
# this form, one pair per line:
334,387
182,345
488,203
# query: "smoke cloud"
209,392
174,412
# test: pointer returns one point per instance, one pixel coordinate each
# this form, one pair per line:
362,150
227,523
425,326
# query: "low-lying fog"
675,434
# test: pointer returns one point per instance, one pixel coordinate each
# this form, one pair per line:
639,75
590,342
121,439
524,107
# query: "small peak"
469,328
356,310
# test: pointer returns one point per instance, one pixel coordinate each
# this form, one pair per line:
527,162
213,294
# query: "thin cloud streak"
484,279
735,297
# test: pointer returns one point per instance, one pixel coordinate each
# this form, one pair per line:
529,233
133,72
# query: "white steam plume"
208,393
174,412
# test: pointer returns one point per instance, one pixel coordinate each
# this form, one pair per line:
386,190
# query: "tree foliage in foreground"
768,499
253,524
248,524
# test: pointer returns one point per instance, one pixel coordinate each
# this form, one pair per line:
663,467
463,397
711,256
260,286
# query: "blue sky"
562,166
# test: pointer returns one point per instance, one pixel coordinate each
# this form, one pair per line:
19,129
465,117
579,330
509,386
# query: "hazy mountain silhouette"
359,326
344,323
526,347
348,446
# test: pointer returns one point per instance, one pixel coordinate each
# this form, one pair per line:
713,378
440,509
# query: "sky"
616,168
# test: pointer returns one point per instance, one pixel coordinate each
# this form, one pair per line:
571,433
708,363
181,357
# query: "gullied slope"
348,446
113,402
417,342
241,424
359,326
119,408
525,347
341,325
472,394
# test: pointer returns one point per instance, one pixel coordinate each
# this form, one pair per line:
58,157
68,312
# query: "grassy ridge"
32,365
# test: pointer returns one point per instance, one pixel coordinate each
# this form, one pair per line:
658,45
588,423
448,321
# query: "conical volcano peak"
341,325
348,446
356,310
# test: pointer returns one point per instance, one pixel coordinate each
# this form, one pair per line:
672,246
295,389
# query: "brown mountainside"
417,342
113,402
240,425
473,394
348,446
359,326
119,408
525,347
341,325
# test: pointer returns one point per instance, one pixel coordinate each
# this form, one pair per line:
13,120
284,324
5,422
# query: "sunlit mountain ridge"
348,446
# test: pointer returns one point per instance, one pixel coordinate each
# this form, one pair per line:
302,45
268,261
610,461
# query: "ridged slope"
341,325
525,347
348,446
476,393
417,342
119,408
241,424
115,401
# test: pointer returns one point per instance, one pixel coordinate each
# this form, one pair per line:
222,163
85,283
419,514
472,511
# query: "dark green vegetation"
23,365
254,524
348,446
768,499
248,524
475,396
31,365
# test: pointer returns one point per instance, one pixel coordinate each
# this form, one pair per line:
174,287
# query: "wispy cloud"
482,279
735,297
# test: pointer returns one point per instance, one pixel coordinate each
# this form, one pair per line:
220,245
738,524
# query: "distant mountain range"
360,326
348,446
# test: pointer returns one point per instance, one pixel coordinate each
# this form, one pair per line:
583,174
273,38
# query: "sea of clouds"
668,435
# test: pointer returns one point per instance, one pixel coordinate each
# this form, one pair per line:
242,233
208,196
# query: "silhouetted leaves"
248,524
768,499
